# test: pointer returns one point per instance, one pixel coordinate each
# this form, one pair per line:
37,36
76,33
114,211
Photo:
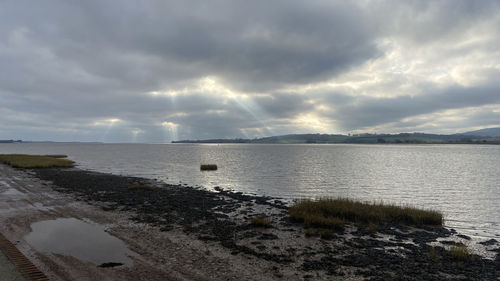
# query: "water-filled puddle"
82,240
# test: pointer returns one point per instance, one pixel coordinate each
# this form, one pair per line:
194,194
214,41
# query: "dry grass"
372,228
459,252
333,213
208,167
311,232
36,161
325,234
56,155
434,255
321,232
142,186
260,222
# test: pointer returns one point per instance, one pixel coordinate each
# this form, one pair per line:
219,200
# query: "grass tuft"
260,222
142,186
459,252
208,167
333,213
325,234
56,155
311,232
372,228
24,161
434,255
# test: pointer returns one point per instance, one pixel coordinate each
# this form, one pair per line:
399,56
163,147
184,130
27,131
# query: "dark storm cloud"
368,111
84,70
253,44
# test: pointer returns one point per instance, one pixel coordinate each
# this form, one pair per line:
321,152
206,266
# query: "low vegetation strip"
25,161
333,213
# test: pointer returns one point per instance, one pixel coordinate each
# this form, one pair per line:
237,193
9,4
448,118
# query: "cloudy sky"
156,71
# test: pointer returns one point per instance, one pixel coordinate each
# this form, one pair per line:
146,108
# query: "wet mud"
391,252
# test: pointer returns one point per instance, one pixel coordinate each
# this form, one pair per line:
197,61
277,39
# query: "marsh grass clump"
260,222
208,167
333,213
25,161
326,234
372,228
56,155
459,252
310,232
434,255
141,186
321,232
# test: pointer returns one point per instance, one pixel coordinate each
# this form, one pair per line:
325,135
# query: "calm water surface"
463,181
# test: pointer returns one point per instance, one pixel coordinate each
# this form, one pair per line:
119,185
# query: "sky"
161,70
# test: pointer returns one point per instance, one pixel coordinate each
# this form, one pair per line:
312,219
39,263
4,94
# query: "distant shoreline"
402,138
408,143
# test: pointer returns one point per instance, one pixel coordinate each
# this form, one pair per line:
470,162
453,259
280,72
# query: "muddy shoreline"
390,253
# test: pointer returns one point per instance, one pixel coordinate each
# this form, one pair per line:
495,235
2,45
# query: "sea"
462,181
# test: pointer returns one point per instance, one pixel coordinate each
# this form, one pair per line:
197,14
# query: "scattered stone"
489,242
463,236
213,216
110,264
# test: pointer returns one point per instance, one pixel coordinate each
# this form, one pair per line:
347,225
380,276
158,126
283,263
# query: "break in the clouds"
156,71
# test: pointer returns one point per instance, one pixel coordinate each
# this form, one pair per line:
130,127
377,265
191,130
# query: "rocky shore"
223,219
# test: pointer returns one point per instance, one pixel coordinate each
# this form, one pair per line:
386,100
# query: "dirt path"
158,255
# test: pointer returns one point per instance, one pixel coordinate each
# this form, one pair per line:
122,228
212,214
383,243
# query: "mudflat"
175,232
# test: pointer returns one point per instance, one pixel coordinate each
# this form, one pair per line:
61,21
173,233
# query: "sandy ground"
158,255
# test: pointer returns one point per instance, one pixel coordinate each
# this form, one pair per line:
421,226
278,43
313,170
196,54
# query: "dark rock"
203,213
110,264
463,236
489,242
261,247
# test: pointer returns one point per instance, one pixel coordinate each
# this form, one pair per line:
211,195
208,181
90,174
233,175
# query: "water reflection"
460,180
82,240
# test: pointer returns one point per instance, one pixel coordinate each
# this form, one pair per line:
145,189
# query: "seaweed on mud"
205,215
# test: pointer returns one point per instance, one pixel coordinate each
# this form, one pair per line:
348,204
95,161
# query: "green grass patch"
334,213
25,161
142,186
260,222
208,167
326,234
56,155
459,252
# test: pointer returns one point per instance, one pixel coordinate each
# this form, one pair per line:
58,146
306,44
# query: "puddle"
79,239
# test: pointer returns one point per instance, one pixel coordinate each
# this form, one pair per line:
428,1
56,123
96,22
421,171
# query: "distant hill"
359,138
10,141
488,132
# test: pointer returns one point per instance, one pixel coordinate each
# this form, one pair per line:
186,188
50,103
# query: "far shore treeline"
10,141
402,138
483,136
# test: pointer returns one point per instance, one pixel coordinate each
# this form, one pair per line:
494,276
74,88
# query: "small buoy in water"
208,167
